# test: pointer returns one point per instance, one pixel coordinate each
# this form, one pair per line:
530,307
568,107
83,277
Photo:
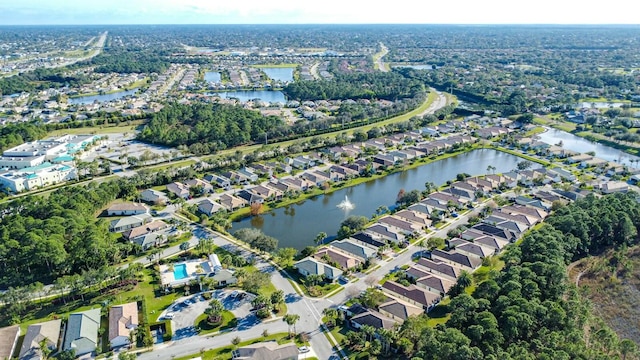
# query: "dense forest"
389,86
208,126
129,61
15,134
39,79
529,310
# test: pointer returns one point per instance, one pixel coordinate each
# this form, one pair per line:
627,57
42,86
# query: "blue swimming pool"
180,271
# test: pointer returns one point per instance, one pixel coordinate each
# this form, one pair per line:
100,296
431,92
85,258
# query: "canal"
297,225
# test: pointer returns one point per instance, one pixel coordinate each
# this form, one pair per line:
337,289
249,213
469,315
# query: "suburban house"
122,320
231,202
129,222
36,333
123,209
400,225
248,174
355,248
310,266
372,318
361,237
219,181
8,341
209,207
178,189
472,249
414,217
144,229
399,310
435,284
610,187
224,277
343,259
411,294
250,197
466,262
153,196
428,266
82,332
384,232
205,186
269,350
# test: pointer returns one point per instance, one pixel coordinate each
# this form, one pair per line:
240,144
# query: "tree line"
40,79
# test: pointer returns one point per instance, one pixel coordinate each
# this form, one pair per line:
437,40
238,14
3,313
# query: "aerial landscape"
189,180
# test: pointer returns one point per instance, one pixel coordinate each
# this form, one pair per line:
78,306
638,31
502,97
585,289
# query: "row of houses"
79,333
139,226
436,271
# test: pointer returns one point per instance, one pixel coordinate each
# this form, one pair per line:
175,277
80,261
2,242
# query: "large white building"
30,178
37,152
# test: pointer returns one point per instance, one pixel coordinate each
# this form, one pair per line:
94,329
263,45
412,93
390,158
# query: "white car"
169,315
304,349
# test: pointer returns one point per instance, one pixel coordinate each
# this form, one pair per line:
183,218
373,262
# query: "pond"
297,225
576,143
246,95
282,74
83,100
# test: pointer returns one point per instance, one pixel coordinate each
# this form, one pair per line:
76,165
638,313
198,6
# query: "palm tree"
277,297
627,347
291,320
320,237
386,338
464,280
214,311
45,350
368,331
332,315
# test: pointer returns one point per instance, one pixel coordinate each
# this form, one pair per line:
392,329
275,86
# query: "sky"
88,12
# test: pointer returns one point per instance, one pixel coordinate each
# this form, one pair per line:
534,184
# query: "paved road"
379,63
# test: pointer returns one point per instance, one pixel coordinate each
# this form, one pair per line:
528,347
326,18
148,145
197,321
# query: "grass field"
103,129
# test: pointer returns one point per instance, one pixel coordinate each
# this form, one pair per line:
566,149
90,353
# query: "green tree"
291,320
214,311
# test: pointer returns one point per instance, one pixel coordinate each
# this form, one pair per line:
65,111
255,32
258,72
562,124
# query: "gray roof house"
358,249
49,330
374,319
153,196
398,310
309,266
267,351
209,207
82,332
129,222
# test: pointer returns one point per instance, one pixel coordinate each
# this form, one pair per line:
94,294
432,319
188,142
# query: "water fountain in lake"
346,204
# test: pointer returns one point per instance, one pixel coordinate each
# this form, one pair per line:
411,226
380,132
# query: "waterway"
212,76
83,100
576,143
246,95
297,225
279,73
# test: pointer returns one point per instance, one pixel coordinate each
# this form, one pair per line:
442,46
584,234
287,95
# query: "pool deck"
167,274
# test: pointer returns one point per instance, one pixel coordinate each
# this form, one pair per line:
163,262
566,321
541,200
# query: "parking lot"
184,312
119,146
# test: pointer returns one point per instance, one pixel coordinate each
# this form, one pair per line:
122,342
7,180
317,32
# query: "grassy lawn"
204,327
224,353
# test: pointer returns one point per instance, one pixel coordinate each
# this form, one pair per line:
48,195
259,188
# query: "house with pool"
181,273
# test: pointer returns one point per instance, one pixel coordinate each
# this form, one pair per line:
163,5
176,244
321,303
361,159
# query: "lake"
417,67
246,95
576,143
212,76
282,74
83,100
297,225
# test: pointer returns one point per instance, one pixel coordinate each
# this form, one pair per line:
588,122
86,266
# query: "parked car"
304,349
169,315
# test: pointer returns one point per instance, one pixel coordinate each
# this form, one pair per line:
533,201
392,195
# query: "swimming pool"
180,271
